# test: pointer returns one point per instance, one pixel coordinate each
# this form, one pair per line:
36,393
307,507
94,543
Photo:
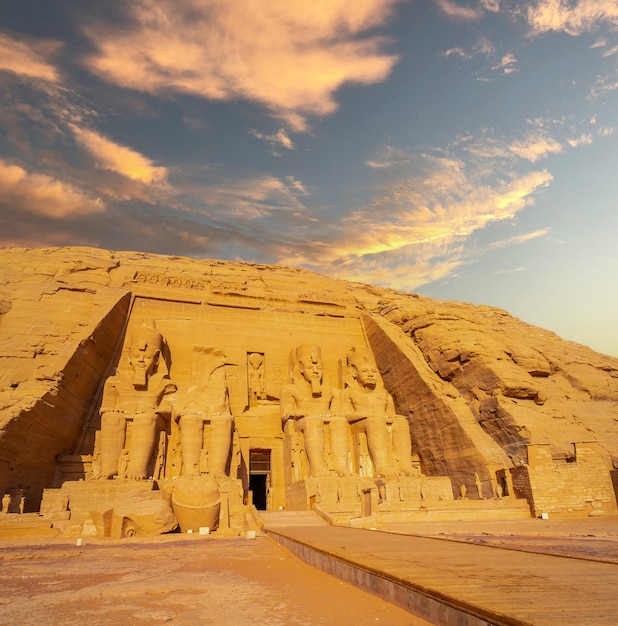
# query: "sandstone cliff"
479,385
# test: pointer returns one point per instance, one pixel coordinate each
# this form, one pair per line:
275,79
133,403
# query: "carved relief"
255,378
164,280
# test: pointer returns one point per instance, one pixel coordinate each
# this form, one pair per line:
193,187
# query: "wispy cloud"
388,157
507,64
492,6
277,140
120,159
41,194
28,57
254,198
535,146
291,61
458,12
581,140
573,18
519,239
514,270
418,223
544,138
483,47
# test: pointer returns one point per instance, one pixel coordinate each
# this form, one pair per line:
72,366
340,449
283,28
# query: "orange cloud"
535,147
124,161
455,11
28,59
414,228
277,140
43,195
290,56
572,18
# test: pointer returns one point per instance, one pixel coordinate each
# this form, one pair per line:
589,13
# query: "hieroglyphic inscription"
164,280
327,299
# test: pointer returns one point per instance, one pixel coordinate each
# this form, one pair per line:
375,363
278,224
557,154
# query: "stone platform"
452,582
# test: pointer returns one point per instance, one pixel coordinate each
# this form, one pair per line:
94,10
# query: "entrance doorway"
259,477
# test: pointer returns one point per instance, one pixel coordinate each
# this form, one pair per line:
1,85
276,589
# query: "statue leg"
313,429
220,444
402,445
377,442
191,440
339,436
142,442
111,441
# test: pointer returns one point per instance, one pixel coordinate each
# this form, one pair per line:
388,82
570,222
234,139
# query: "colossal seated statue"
205,401
135,395
370,409
309,402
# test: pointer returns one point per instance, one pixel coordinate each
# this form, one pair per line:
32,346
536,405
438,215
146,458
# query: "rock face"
503,408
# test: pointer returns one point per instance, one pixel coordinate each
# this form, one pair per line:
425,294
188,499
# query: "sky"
461,149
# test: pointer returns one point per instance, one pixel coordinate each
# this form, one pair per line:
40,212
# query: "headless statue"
206,400
370,409
136,394
309,401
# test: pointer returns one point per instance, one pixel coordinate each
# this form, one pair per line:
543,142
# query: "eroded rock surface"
480,388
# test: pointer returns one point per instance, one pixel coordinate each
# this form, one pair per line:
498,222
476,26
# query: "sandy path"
178,580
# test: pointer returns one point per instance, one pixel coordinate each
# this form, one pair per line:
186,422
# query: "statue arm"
390,406
347,408
288,404
109,401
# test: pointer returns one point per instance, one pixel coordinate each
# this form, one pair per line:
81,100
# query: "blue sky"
464,150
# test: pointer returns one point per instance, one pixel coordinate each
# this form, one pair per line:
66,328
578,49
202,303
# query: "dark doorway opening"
257,484
259,477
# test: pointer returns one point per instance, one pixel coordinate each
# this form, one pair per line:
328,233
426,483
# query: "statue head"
255,360
307,362
144,353
362,367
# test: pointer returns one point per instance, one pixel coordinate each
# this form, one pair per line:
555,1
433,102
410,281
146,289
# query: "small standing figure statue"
479,486
256,378
22,505
123,464
6,502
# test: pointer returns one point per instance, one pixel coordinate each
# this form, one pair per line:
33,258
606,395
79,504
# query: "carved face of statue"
143,358
311,367
365,372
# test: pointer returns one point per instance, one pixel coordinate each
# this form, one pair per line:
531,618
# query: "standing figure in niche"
256,378
206,400
310,402
370,409
135,395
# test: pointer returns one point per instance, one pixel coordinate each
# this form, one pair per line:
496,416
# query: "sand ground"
181,579
174,579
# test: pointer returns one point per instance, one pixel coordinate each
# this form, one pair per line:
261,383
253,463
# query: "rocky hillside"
470,377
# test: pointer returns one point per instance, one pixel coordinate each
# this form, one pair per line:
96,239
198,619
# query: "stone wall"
580,485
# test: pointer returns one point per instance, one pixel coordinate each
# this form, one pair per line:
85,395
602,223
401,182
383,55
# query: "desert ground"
182,579
176,579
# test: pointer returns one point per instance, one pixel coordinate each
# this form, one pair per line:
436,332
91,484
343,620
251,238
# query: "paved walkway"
487,584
